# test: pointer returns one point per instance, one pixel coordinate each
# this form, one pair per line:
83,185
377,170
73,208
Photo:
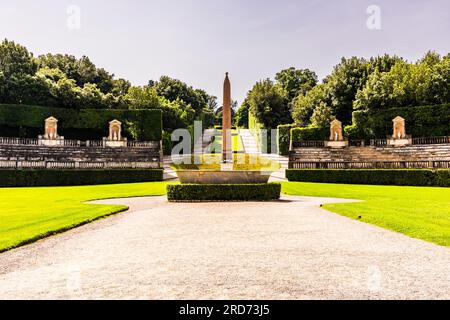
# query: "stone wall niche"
115,140
336,136
399,137
51,137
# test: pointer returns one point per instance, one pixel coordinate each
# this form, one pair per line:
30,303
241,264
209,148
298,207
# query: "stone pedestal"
399,142
336,144
58,142
115,144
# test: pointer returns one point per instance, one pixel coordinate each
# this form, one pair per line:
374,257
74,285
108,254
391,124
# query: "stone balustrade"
10,164
17,153
371,165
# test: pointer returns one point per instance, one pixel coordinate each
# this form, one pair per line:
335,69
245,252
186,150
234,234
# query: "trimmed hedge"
224,192
400,177
47,178
28,121
421,121
310,133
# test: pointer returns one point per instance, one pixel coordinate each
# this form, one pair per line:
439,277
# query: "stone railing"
11,164
95,144
19,141
378,142
308,144
76,143
371,165
357,143
72,143
142,144
373,142
431,140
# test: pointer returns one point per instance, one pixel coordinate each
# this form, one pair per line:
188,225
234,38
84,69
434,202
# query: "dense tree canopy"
268,105
294,82
173,89
354,85
334,98
241,116
270,101
16,60
426,82
82,70
61,80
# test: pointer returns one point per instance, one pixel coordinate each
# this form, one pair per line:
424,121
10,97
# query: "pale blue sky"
197,41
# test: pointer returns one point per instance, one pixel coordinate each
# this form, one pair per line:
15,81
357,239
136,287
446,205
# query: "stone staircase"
202,143
249,142
77,154
373,154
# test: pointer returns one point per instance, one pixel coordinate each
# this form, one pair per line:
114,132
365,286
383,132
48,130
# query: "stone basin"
223,177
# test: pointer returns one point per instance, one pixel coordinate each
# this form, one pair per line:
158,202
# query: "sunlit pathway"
290,249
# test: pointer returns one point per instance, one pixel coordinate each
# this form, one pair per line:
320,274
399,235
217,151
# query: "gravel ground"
289,249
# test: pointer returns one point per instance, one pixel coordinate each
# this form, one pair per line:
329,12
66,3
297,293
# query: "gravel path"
289,249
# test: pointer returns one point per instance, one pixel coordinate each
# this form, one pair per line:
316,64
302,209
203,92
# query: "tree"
173,90
241,116
268,105
295,82
423,83
16,60
143,98
303,106
212,103
322,115
120,87
82,70
337,93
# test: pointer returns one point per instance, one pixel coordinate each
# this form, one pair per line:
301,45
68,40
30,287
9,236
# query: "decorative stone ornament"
399,137
115,140
51,128
336,136
51,137
336,131
399,128
115,130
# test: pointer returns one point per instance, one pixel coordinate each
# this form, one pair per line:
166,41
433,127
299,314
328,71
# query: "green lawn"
419,212
28,214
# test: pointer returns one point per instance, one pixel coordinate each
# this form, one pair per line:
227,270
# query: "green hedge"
310,133
221,192
284,138
28,121
401,177
421,121
45,178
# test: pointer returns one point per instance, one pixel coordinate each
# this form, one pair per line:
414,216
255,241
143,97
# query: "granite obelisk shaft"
226,121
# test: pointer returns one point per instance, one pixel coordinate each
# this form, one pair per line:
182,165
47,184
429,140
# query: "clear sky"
197,41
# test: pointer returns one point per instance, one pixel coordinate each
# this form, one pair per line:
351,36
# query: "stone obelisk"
226,121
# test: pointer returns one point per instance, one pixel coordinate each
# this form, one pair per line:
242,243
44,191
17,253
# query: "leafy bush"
45,178
28,121
401,177
221,192
310,133
442,178
284,138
